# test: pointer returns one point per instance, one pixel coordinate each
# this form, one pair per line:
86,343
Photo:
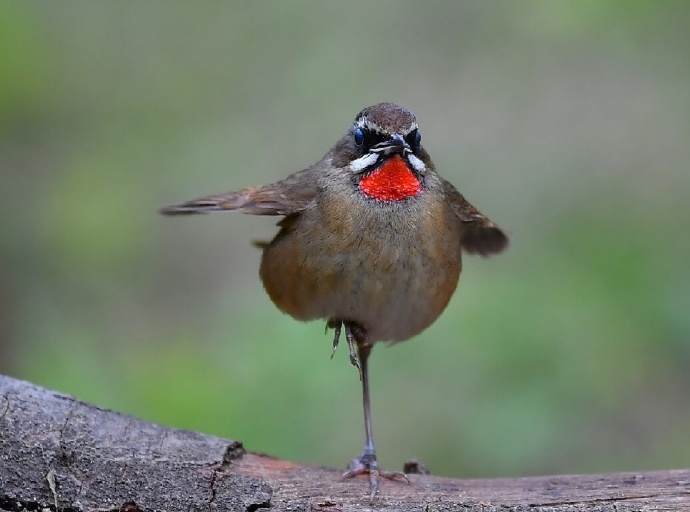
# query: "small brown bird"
371,241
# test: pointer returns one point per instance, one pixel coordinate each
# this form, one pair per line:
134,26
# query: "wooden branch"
59,453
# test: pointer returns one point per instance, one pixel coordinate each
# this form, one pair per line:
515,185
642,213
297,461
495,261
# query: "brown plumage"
371,240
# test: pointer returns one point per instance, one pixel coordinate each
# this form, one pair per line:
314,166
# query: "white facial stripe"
416,163
363,162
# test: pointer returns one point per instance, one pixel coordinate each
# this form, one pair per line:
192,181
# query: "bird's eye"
359,136
414,138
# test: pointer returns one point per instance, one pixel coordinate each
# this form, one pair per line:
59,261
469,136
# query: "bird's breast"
389,266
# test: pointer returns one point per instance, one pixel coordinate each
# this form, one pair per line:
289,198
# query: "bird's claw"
352,345
367,464
336,325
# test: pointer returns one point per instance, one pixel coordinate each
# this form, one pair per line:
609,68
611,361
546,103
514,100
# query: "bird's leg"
366,462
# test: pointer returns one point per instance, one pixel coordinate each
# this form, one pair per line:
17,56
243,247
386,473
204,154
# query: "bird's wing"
480,234
284,197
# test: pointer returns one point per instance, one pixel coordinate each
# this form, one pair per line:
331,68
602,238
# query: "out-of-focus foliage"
566,122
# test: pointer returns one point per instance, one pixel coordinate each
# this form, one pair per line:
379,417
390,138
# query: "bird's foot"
353,332
352,345
367,464
334,323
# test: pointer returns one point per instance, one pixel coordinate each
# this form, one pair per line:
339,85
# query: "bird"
371,241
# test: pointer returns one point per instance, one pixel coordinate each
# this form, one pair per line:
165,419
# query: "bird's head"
383,152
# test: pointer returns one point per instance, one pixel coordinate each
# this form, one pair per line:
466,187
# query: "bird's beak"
396,145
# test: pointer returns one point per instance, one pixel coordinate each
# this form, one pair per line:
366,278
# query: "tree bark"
59,453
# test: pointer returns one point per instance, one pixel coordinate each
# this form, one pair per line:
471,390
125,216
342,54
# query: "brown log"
59,453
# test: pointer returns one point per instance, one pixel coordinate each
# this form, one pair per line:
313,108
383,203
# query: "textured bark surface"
57,452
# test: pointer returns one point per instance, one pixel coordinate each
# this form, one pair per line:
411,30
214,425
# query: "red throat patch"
393,181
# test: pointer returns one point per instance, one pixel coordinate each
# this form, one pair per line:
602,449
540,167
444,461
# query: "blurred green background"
566,122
